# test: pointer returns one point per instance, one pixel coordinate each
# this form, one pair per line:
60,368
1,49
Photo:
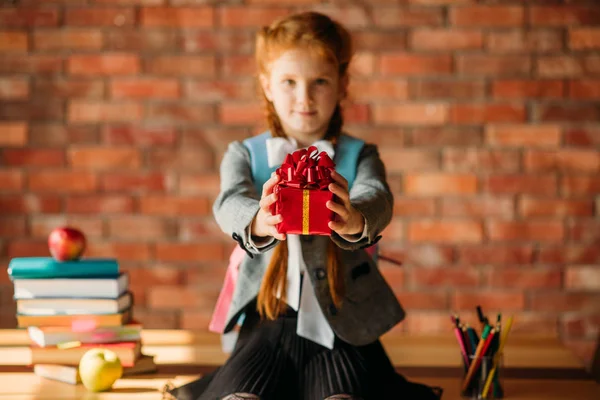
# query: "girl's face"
304,89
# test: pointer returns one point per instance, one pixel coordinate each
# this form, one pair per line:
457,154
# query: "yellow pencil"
490,377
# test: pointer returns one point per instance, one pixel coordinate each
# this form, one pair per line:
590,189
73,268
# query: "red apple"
66,243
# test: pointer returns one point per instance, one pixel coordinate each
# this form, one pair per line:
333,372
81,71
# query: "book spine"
46,267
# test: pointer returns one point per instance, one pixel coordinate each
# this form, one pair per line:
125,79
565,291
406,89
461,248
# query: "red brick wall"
114,115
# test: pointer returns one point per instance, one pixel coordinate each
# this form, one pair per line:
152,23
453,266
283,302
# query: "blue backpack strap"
347,152
257,146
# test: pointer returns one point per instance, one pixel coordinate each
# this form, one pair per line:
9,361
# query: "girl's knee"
241,396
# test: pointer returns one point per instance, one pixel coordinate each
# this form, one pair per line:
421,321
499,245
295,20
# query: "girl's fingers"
273,219
268,186
340,180
339,210
266,202
340,192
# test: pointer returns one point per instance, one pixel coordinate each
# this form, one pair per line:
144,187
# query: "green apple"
99,368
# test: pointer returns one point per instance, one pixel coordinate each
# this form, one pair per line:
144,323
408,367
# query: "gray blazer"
369,307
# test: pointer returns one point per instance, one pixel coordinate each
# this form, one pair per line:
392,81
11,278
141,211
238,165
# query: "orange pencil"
484,344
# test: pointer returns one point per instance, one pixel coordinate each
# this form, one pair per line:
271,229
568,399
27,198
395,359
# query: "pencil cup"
485,381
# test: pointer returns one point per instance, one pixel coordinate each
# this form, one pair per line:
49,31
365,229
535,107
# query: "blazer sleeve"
371,196
237,202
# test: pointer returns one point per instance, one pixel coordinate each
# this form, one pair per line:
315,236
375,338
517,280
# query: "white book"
58,306
109,288
54,335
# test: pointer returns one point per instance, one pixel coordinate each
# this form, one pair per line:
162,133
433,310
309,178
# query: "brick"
441,89
226,42
453,277
584,38
80,39
575,112
31,157
157,319
14,88
124,251
410,114
140,228
493,15
493,65
415,64
236,66
532,41
30,204
99,204
381,136
218,138
199,183
496,254
428,184
41,226
578,325
584,89
355,113
395,230
58,135
144,88
219,90
544,207
488,300
70,181
142,136
555,301
200,66
105,64
104,158
378,89
177,17
172,112
570,254
138,182
414,207
203,228
132,2
240,113
190,252
516,89
377,40
246,17
353,16
69,88
477,160
582,278
446,39
198,320
477,207
509,135
11,226
364,64
166,206
147,40
516,184
426,322
13,134
563,15
540,231
401,17
445,231
32,110
530,323
583,230
167,297
436,2
422,300
563,160
422,255
476,113
96,111
446,136
29,17
409,160
193,159
100,16
31,64
582,136
13,41
520,278
27,248
574,66
580,185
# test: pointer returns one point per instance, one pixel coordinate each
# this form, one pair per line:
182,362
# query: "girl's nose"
304,95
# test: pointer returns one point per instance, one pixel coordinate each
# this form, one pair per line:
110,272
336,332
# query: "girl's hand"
349,220
264,222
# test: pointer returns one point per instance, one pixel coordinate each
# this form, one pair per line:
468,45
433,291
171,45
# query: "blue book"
48,267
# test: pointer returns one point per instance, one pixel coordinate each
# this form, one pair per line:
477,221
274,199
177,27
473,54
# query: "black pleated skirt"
271,361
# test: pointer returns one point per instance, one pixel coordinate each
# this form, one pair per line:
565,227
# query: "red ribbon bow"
306,169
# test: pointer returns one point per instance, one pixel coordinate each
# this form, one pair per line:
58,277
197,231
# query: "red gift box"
303,193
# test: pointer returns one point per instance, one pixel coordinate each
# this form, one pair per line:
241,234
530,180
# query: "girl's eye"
321,81
289,82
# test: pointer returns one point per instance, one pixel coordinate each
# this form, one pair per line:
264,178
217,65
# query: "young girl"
313,306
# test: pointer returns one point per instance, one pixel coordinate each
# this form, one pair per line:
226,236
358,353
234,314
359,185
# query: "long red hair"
326,37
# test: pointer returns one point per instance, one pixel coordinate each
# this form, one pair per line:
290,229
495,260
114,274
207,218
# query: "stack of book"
71,307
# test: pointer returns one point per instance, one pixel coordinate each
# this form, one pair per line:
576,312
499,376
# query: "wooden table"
536,368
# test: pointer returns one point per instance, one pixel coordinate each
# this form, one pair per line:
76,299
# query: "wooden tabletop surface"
535,368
